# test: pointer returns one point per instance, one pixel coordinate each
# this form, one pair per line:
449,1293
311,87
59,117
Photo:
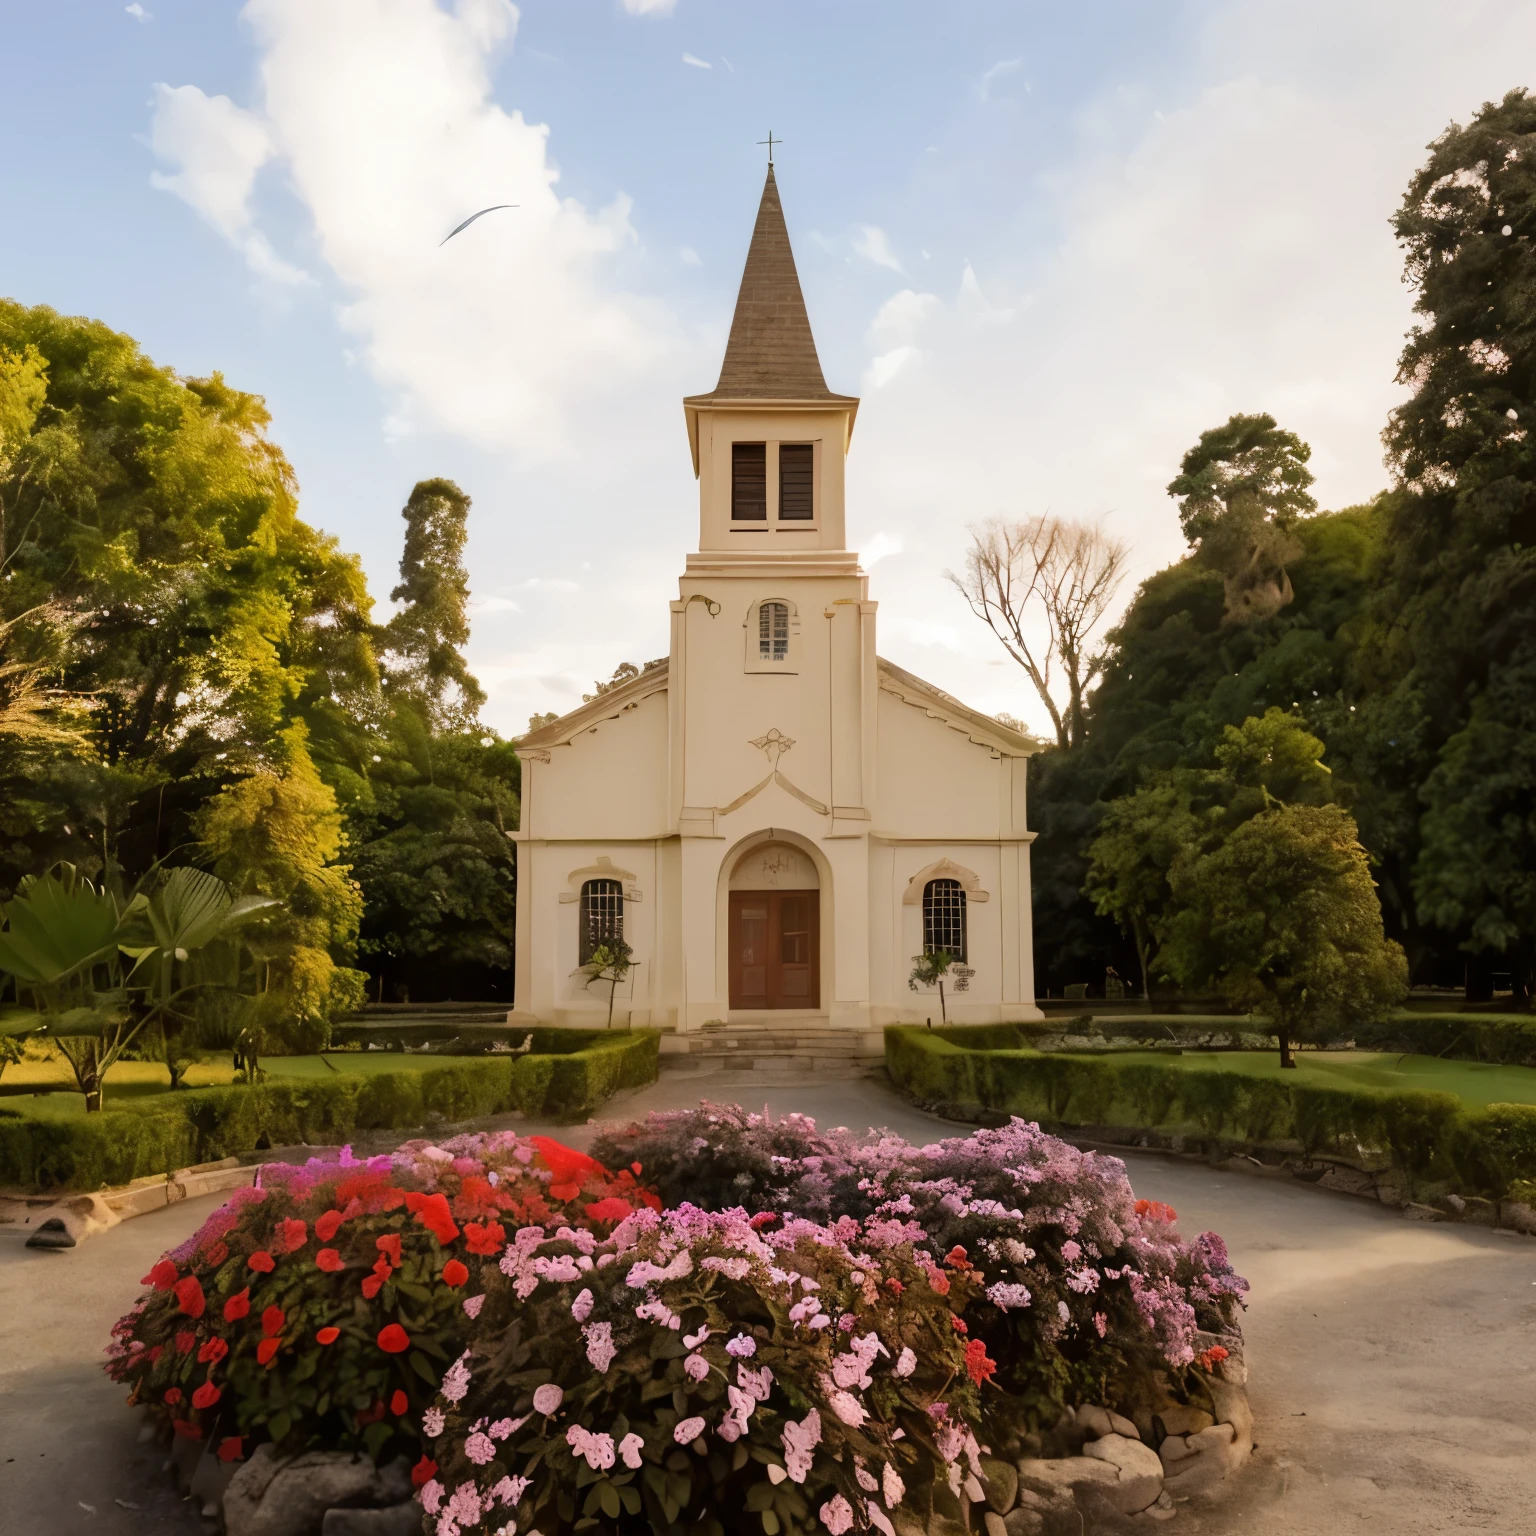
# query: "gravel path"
1391,1362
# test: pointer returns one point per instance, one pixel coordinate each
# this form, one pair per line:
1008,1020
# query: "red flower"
423,1472
327,1226
761,1220
327,1335
238,1306
266,1349
373,1284
487,1240
433,1213
217,1254
977,1366
206,1395
186,1429
1209,1359
172,1396
162,1276
366,1416
229,1447
634,1168
566,1163
212,1352
262,1262
895,1285
393,1339
611,1208
330,1261
958,1324
155,1352
957,1258
291,1235
189,1296
272,1320
938,1281
650,1198
454,1273
565,1191
184,1342
1156,1210
399,1403
389,1246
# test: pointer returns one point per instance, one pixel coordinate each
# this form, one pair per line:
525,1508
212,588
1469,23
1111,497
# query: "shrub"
321,1308
133,1138
838,1344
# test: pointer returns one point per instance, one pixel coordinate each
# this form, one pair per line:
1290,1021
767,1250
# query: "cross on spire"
770,141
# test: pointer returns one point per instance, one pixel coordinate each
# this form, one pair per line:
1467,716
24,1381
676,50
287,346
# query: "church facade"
776,820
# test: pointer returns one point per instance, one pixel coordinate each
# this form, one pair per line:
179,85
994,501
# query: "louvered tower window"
797,500
749,482
773,631
944,918
602,916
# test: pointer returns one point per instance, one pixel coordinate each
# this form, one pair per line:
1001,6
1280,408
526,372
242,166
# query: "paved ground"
1391,1362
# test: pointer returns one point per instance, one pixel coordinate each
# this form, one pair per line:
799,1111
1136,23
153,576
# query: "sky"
1047,245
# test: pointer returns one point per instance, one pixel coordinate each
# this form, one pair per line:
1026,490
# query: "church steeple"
771,354
769,439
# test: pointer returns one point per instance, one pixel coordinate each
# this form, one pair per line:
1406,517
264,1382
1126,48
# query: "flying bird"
471,219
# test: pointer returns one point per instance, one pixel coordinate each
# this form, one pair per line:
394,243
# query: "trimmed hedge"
150,1136
1428,1136
1506,1039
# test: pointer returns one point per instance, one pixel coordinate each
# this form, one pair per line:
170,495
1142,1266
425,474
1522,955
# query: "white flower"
895,1490
906,1363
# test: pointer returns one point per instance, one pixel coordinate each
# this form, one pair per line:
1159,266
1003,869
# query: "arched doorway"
775,929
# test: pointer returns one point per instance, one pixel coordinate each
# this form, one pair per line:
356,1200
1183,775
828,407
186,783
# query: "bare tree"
1046,569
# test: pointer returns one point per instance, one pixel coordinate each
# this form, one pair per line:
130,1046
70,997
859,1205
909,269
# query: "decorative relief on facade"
773,746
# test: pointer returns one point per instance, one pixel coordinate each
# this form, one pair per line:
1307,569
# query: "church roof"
606,706
982,729
771,354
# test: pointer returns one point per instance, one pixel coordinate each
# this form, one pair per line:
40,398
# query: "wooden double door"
775,940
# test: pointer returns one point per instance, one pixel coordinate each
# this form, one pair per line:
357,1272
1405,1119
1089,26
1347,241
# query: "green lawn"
50,1097
1475,1083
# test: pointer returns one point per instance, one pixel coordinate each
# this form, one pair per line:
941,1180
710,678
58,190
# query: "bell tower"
770,440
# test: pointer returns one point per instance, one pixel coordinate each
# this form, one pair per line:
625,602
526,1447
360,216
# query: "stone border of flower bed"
1125,1470
63,1221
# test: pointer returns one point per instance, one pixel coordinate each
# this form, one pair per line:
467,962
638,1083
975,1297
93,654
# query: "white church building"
777,821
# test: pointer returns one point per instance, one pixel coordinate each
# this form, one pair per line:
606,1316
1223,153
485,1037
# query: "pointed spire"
771,354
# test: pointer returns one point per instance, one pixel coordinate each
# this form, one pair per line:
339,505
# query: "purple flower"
742,1347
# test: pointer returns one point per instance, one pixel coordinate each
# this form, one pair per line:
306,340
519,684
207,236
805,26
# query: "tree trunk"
943,1011
1142,946
1286,1058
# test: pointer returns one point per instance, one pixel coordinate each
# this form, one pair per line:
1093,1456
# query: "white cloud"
218,148
138,12
688,256
879,548
1231,254
872,243
688,58
379,114
650,7
551,584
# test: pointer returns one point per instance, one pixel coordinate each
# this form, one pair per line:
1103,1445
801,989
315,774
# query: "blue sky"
1047,244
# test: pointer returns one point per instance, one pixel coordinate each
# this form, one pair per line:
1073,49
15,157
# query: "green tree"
1453,650
1241,490
1282,917
278,832
423,644
610,961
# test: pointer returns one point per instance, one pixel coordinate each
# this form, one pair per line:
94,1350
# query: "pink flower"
906,1363
431,1495
547,1399
581,1308
472,1304
837,1515
432,1423
629,1449
503,1428
456,1381
697,1367
879,1519
480,1449
800,1442
688,1430
742,1347
892,1486
509,1490
600,1346
598,1449
464,1504
755,1383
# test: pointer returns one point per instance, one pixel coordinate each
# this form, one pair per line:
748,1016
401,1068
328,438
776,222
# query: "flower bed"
321,1308
804,1329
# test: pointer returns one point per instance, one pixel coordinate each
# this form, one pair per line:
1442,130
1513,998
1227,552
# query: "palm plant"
99,973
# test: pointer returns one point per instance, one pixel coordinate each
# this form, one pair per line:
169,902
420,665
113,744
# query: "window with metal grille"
773,631
797,499
749,482
602,916
944,918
